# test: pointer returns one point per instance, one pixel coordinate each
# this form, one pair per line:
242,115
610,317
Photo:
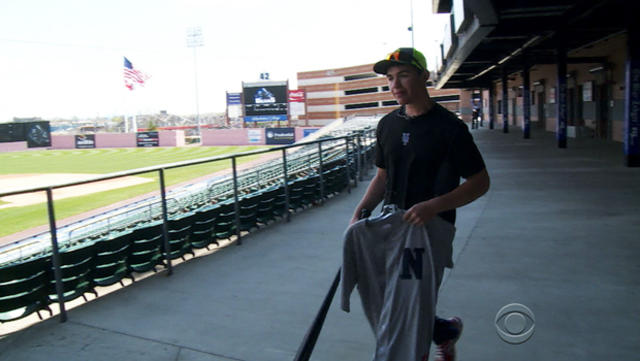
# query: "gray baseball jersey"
397,268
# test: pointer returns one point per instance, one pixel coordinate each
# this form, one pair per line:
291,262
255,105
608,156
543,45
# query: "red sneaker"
446,351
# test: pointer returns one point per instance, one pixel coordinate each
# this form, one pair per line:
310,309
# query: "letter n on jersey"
412,261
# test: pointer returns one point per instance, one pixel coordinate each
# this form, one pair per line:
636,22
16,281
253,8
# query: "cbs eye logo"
515,323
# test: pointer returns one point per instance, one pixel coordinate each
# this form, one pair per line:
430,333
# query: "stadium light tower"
194,40
411,27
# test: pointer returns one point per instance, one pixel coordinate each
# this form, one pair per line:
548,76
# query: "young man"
422,151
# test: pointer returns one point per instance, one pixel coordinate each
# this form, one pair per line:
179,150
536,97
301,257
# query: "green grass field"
102,161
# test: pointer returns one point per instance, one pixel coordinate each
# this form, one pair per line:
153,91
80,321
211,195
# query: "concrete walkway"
557,232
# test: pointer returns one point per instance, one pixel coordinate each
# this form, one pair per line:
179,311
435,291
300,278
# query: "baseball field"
19,170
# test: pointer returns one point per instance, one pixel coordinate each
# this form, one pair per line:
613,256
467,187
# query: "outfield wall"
13,146
244,136
167,138
227,137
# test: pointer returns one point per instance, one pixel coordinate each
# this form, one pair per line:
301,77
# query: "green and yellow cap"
409,56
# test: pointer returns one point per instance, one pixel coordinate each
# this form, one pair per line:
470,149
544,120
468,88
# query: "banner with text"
85,141
255,135
296,102
234,98
147,139
280,135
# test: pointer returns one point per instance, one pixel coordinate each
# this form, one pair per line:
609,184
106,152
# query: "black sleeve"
465,156
379,151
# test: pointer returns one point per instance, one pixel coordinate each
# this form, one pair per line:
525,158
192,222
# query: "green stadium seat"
249,212
225,225
76,266
23,289
179,231
311,190
202,234
111,259
145,250
296,194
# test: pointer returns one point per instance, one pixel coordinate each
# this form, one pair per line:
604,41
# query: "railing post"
286,184
359,159
56,255
236,201
347,166
165,222
372,136
365,158
321,172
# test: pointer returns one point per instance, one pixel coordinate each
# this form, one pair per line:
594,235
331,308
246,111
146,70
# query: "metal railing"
354,145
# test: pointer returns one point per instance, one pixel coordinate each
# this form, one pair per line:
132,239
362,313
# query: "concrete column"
632,99
561,91
526,101
505,101
492,106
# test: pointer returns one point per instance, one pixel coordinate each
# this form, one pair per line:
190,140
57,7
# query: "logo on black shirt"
405,139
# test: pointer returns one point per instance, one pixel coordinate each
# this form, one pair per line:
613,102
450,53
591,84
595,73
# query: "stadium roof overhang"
492,36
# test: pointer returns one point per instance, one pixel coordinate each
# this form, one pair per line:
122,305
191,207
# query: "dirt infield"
13,182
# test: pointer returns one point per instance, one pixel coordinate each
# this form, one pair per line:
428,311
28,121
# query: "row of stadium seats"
29,286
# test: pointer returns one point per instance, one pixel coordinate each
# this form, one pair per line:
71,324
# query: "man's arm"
374,194
474,187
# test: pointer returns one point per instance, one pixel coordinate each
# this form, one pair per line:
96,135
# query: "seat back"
202,233
23,288
76,267
111,259
145,250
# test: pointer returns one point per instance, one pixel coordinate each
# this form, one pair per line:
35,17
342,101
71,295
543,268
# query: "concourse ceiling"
515,31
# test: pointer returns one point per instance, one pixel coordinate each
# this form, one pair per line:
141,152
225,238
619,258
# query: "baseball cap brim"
382,66
402,56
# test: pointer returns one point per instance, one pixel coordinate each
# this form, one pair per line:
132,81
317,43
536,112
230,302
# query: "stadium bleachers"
131,242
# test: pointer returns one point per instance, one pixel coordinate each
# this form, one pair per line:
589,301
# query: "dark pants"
442,331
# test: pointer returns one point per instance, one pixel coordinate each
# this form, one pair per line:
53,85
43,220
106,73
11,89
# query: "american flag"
133,76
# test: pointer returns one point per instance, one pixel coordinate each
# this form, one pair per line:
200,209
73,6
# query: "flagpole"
134,123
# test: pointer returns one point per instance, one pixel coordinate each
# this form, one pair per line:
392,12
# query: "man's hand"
421,212
474,187
373,196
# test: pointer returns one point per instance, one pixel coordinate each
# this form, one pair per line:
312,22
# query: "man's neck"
416,109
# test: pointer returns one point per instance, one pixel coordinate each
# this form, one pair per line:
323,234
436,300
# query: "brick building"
337,93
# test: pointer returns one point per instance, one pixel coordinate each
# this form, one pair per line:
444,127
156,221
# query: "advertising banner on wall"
255,135
234,98
147,139
296,102
12,132
265,101
280,135
85,141
308,131
36,134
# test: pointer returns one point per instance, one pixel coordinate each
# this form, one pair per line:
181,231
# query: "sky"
64,58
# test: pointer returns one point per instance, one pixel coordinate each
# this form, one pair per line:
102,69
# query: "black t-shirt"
425,156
